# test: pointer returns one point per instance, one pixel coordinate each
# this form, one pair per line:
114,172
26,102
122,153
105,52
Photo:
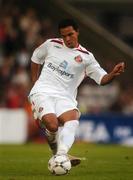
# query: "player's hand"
118,69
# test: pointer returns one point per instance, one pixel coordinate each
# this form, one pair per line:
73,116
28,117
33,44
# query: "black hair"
67,22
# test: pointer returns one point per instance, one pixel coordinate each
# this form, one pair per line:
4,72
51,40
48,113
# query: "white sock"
51,136
52,140
66,136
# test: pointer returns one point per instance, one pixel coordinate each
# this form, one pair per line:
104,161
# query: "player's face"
70,36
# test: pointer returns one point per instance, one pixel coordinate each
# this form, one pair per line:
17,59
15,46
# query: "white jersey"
64,68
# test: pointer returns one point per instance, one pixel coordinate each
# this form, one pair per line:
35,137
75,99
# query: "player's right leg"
43,112
51,137
50,122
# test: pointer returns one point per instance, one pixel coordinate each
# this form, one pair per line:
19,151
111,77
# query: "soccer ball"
59,164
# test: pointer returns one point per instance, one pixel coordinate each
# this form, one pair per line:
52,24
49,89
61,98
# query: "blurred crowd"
20,33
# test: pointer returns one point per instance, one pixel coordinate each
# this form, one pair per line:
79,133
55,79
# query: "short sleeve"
40,53
94,70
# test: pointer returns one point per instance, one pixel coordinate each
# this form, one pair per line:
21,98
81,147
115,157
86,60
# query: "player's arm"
37,60
35,72
117,70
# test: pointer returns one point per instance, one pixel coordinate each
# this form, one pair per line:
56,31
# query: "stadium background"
106,29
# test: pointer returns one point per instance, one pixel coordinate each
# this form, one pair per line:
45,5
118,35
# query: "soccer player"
64,63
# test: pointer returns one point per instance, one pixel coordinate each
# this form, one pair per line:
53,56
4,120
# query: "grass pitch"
103,162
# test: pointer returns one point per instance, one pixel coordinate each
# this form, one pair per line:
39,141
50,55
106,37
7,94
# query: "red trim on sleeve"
57,41
86,52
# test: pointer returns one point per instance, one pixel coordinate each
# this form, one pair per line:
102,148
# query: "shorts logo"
40,109
78,59
33,103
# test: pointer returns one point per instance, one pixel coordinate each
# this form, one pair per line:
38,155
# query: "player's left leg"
66,136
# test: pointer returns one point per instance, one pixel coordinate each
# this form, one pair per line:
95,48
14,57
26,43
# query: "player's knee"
53,127
51,122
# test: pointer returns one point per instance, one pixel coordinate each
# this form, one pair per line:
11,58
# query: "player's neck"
72,47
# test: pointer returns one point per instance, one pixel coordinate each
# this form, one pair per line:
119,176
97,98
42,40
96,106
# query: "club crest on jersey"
78,59
64,64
